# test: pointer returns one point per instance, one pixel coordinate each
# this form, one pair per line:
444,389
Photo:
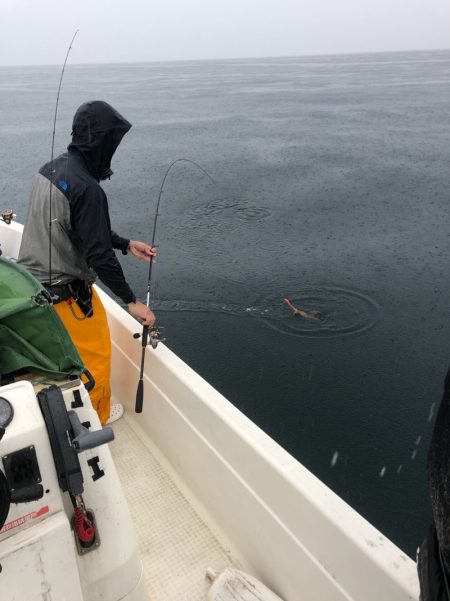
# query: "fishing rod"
51,167
152,335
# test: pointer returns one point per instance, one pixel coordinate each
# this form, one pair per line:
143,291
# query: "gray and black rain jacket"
82,239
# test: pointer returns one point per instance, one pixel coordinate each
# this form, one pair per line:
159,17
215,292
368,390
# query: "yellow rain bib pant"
92,340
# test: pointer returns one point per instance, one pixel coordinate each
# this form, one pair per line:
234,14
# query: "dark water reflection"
332,189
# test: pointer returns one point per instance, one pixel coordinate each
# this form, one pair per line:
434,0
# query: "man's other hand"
142,251
142,313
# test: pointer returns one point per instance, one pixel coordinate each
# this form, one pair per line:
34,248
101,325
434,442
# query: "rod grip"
139,397
145,336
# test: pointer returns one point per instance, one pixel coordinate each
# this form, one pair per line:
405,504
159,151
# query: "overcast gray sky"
38,31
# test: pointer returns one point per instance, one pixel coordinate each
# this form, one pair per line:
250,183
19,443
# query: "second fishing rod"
151,335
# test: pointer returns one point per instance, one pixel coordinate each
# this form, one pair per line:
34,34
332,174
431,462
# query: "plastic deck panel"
175,545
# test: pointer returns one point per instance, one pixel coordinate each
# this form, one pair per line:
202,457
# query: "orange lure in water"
299,311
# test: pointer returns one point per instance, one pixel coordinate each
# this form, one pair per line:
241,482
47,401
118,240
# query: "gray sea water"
331,188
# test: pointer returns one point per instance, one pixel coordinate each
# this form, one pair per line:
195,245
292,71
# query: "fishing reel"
7,216
153,337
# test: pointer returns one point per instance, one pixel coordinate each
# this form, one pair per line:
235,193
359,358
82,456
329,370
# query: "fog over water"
330,188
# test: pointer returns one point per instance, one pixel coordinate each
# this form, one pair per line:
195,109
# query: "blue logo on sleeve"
63,185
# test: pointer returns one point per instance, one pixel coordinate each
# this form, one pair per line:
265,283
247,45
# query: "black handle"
27,494
144,336
140,388
139,397
91,382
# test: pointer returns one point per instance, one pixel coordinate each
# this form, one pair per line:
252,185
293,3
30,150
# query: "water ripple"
233,207
252,213
342,311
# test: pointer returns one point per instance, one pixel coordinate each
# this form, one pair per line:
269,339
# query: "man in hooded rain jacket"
83,242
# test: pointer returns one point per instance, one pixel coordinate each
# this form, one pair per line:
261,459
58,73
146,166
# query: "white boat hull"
277,520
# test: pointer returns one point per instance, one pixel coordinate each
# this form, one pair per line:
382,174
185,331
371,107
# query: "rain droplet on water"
414,453
431,414
399,469
383,471
418,439
334,458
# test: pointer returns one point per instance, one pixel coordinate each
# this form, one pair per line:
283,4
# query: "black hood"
97,131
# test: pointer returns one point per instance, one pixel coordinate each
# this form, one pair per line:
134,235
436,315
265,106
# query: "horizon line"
217,59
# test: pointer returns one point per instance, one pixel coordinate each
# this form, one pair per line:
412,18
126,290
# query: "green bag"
32,336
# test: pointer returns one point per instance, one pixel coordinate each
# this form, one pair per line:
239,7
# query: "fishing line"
152,335
51,165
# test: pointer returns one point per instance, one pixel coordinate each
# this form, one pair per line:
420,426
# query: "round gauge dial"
6,412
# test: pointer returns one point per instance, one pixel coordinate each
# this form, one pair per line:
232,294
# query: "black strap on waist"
79,290
59,292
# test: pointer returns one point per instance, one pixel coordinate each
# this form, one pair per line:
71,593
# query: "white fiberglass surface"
175,545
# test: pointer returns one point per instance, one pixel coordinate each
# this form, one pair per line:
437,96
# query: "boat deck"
175,544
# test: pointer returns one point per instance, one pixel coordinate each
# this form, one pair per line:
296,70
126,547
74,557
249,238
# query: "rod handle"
145,336
139,396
